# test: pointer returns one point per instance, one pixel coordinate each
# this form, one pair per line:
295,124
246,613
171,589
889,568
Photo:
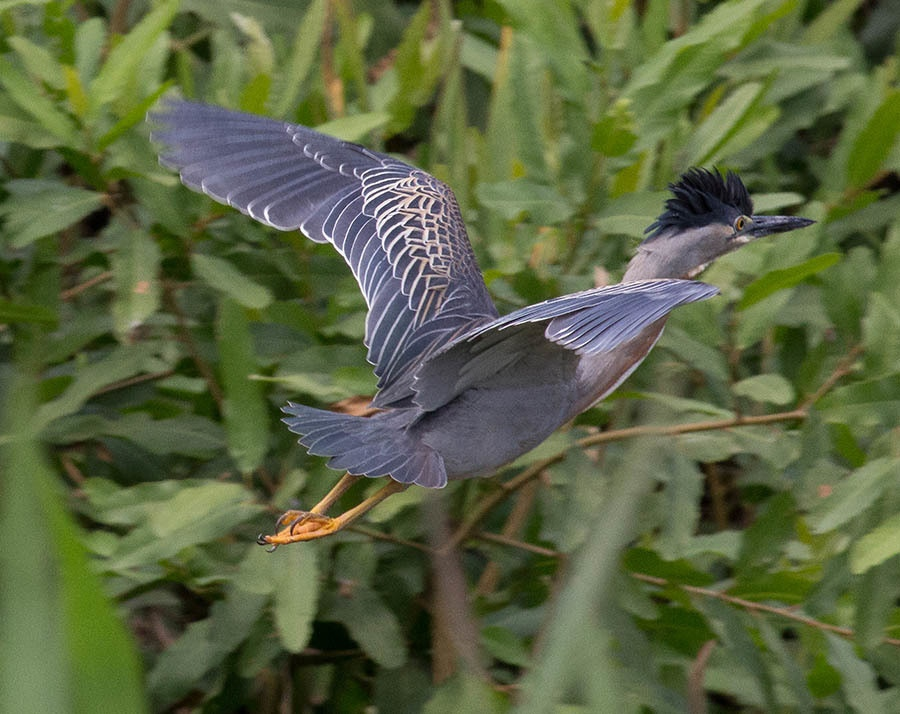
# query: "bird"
461,389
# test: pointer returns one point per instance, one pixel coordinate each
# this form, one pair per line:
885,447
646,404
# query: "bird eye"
740,223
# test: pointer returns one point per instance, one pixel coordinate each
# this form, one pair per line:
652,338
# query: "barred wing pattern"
399,229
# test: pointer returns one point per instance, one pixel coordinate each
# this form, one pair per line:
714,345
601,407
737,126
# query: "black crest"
702,197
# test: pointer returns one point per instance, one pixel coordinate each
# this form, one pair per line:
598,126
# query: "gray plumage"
463,390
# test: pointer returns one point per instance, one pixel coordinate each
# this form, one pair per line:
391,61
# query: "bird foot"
299,526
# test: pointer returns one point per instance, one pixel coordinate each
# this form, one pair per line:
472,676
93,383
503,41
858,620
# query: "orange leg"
308,525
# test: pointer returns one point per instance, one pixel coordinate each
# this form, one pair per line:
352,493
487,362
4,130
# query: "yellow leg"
308,525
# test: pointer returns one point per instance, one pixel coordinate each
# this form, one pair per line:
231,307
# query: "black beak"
766,225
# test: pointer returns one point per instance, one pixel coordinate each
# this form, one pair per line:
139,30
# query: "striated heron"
462,391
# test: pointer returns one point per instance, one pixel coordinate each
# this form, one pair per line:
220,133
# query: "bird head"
708,215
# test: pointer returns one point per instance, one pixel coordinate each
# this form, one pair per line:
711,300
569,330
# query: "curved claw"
301,526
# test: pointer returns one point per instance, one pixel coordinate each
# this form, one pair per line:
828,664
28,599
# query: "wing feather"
586,323
399,229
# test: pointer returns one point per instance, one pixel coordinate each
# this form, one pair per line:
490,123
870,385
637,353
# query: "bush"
721,535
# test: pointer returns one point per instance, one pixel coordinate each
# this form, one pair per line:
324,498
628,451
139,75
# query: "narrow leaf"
30,98
777,280
291,78
25,312
64,647
135,265
874,143
295,580
126,57
222,275
39,208
876,546
769,388
246,419
854,494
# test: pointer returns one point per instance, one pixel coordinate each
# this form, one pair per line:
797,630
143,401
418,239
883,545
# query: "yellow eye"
740,223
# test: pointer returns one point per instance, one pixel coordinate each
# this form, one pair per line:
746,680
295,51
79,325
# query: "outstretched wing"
586,323
399,228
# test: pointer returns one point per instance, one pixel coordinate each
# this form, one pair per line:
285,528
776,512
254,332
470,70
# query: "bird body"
462,390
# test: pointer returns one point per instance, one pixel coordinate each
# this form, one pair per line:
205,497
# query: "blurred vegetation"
723,535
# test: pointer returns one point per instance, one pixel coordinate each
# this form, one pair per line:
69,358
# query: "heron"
461,389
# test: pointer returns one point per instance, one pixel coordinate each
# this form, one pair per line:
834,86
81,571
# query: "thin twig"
491,501
215,391
515,523
696,690
752,606
76,290
137,379
506,489
520,544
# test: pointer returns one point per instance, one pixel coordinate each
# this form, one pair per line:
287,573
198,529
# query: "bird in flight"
461,390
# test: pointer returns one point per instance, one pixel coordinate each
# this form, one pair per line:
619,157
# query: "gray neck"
646,265
669,255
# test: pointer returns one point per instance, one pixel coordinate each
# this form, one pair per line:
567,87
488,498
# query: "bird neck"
649,265
668,255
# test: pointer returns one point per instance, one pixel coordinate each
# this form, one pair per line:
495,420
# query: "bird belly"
493,423
498,420
600,374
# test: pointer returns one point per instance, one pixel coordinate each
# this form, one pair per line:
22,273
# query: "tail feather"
374,446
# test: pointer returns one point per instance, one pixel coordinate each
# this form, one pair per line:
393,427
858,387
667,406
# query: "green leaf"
203,647
769,388
855,493
544,204
295,587
135,265
614,134
465,693
778,280
64,647
558,37
289,81
29,97
858,680
881,337
832,20
505,646
24,312
257,46
39,62
723,122
39,208
421,57
874,143
246,416
223,276
121,363
765,540
124,60
193,515
864,404
188,434
355,127
371,624
877,545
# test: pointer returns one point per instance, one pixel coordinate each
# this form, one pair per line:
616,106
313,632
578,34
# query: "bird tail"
367,446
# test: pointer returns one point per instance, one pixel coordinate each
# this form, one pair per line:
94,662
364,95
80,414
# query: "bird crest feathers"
699,197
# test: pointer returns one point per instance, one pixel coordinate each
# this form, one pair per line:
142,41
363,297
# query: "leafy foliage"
722,535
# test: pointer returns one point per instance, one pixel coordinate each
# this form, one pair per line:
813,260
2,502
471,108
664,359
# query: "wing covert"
585,323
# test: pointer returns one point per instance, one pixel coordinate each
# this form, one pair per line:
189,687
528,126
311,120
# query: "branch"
749,605
506,489
758,607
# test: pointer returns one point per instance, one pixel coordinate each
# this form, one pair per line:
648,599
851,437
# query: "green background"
720,536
